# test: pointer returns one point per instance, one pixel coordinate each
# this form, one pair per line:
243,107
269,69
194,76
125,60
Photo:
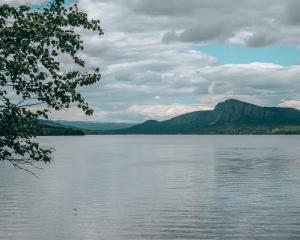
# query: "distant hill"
61,127
48,128
93,126
58,131
229,117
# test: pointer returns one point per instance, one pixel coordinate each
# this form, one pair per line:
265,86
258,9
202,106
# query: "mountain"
62,127
93,126
229,117
48,128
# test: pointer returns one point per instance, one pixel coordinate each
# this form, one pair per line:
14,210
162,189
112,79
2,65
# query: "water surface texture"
157,187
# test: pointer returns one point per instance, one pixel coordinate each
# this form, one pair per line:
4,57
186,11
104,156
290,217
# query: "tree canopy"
33,76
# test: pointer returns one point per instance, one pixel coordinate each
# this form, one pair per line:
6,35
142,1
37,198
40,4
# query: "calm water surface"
157,187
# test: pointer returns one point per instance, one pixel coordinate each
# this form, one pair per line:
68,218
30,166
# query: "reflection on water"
157,187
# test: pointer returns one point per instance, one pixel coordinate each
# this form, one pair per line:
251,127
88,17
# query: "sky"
159,59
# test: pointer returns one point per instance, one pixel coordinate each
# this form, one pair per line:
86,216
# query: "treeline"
44,130
38,129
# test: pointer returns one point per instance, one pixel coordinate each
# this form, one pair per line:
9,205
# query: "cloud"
260,40
201,33
203,21
290,104
162,112
147,51
22,2
151,66
291,12
170,36
163,8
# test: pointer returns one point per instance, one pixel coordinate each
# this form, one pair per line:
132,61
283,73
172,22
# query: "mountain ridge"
229,117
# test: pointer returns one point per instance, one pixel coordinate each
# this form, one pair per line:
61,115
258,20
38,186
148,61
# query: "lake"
156,187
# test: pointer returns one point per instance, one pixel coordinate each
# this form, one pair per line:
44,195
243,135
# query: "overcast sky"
161,58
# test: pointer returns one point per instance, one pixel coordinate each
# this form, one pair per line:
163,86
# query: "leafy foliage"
33,78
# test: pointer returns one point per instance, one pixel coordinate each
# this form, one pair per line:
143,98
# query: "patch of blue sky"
241,54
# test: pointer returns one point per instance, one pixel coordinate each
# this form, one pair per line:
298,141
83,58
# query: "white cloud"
77,114
151,66
162,112
240,37
290,104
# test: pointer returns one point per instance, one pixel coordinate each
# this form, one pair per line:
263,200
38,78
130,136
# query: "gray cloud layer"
19,2
150,69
